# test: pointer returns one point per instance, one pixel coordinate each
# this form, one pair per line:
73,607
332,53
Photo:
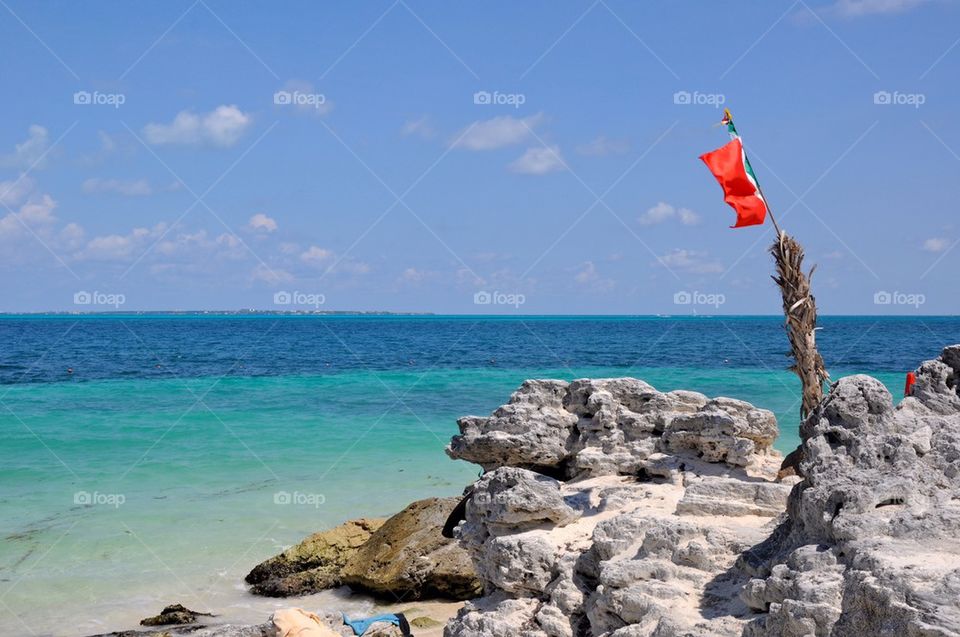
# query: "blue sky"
393,183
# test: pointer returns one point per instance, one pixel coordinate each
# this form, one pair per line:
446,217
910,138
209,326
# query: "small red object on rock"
911,381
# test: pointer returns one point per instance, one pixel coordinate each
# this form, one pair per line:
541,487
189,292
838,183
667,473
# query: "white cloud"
71,236
131,188
353,267
223,126
858,8
230,246
413,275
108,146
194,244
39,211
107,143
9,226
14,191
30,152
664,212
603,146
498,132
262,222
936,244
538,161
315,255
419,127
690,261
117,247
659,213
265,274
587,274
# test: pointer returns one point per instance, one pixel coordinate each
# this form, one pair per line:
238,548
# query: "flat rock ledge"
609,509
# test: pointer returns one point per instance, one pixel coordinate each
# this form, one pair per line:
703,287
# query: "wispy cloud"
418,127
664,212
223,126
14,191
859,8
30,152
316,255
690,261
498,132
262,223
130,188
936,244
601,146
538,161
36,212
588,275
119,247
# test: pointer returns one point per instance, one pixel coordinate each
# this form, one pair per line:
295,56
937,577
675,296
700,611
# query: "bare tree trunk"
800,312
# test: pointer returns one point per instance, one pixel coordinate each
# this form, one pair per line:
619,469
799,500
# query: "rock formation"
174,614
610,509
407,558
870,545
662,493
609,427
314,564
402,558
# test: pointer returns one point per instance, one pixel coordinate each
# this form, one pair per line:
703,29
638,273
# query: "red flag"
730,166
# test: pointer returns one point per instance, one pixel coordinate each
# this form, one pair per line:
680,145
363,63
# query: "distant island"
247,312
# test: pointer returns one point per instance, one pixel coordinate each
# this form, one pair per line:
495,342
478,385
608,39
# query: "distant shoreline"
388,314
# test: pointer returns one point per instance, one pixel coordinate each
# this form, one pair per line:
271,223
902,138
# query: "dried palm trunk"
800,311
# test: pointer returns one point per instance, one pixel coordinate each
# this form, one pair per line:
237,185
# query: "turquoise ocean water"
152,459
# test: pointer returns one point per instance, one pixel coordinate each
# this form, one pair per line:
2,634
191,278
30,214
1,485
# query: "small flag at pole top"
729,164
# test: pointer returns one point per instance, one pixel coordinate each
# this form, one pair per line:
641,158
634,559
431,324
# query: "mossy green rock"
314,564
408,557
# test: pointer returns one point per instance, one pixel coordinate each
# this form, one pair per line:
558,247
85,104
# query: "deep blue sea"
148,459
